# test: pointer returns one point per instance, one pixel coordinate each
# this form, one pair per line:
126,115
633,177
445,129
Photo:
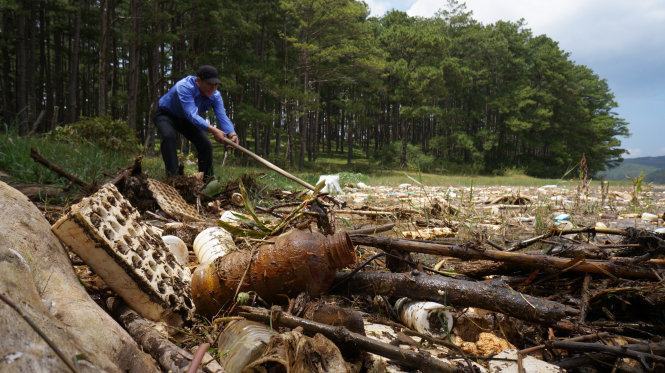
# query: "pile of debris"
420,279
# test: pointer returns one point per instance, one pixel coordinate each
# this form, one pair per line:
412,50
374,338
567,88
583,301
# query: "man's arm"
223,119
189,107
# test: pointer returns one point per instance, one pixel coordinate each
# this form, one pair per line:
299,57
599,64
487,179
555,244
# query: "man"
182,108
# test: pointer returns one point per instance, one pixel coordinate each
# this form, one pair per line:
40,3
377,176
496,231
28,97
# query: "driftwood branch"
645,358
341,335
169,356
373,230
459,293
34,154
584,299
562,232
545,262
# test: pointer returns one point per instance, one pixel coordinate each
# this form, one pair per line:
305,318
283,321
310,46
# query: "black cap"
209,74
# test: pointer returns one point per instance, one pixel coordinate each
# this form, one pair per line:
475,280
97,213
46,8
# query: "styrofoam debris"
429,233
600,225
649,217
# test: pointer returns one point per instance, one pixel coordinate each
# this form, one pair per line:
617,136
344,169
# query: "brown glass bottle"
297,261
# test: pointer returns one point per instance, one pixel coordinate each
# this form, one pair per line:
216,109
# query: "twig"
34,327
585,298
373,230
581,338
364,212
612,350
34,154
561,232
159,217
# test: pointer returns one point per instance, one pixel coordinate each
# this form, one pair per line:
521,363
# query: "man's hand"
216,133
233,137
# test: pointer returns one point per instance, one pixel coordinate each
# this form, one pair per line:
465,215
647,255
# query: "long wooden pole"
269,165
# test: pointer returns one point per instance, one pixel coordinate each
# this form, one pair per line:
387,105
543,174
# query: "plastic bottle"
212,243
292,263
241,343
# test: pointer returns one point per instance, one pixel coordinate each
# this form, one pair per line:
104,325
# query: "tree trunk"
103,56
114,70
8,99
46,63
72,102
154,76
32,67
21,71
349,141
134,62
58,78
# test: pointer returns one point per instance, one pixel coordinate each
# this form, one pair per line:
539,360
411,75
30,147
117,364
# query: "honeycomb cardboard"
106,232
171,201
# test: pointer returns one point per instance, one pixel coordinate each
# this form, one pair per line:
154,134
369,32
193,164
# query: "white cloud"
635,152
585,27
380,7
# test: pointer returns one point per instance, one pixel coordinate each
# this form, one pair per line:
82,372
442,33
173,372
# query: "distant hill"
653,168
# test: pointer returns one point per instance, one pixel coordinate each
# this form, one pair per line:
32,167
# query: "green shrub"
101,131
389,157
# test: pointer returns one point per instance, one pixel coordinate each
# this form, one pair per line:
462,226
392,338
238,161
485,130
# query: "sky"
623,41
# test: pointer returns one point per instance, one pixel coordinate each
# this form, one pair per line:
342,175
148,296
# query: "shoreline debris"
107,233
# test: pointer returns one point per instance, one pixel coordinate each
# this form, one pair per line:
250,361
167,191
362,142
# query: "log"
531,261
340,335
37,276
169,356
457,293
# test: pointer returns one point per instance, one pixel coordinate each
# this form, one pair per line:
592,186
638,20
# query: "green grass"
90,162
87,161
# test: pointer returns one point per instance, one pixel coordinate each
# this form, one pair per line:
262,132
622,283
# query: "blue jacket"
184,100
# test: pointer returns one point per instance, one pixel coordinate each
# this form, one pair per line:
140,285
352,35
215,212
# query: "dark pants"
167,125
